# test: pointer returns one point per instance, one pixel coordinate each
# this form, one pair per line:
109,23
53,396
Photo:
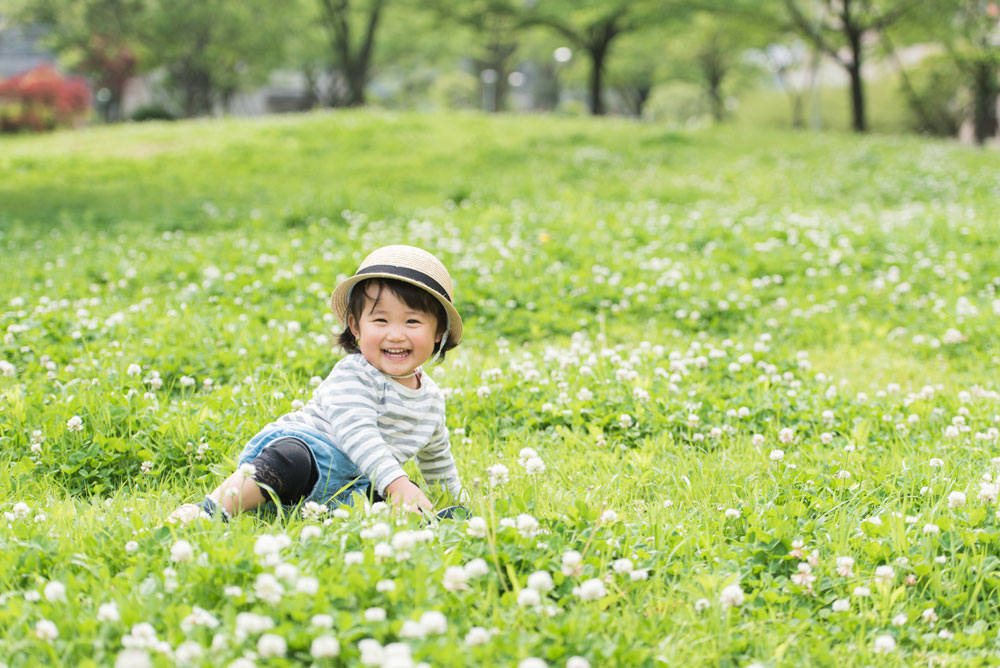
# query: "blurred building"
21,49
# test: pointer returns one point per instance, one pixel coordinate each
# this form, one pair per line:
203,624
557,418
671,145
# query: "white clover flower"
131,546
885,573
527,525
935,462
375,615
702,604
312,511
622,566
540,581
862,592
826,438
142,636
309,532
885,644
455,578
731,596
46,630
133,370
476,527
181,551
267,588
498,474
7,369
286,572
271,644
591,590
108,612
322,621
732,513
931,528
412,629
625,420
989,491
354,557
249,623
385,586
777,455
608,516
956,499
266,545
307,585
534,466
477,635
232,591
841,605
199,617
532,662
757,440
434,622
324,647
929,616
528,597
372,653
55,592
188,652
75,423
133,658
476,568
572,563
786,435
899,620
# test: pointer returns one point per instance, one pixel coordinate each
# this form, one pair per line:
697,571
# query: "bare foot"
186,513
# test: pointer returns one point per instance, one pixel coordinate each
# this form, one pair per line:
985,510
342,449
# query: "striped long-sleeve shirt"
380,424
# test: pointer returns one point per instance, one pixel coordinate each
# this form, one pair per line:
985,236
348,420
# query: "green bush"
152,112
934,98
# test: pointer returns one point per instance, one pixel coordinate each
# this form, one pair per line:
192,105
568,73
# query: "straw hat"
410,265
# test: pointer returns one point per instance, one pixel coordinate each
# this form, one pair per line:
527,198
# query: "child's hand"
404,494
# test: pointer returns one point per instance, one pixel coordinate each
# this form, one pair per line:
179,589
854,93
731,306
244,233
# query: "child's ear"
352,325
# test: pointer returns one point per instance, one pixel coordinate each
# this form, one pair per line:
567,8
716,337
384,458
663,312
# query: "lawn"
759,369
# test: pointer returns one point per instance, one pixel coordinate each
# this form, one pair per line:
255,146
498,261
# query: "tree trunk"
857,84
984,93
597,55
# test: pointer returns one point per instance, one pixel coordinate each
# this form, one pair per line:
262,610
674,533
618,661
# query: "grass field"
760,369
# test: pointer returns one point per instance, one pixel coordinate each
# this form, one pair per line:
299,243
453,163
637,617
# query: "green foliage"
760,351
152,112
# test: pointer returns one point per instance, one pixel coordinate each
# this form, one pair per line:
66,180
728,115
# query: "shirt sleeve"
436,463
349,399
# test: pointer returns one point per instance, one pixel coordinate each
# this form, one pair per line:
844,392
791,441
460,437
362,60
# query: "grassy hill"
741,355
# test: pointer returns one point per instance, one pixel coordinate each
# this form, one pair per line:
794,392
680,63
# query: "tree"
353,53
210,49
973,43
839,29
97,37
497,28
592,26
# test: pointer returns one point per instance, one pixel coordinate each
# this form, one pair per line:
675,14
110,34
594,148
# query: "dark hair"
411,295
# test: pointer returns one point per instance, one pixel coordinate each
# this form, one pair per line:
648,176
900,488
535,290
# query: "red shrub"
41,99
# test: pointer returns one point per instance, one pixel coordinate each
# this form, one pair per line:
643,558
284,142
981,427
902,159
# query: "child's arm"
436,463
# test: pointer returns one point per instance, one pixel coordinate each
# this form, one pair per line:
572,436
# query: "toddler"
376,410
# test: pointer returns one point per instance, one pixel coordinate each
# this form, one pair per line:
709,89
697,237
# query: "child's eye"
379,320
413,321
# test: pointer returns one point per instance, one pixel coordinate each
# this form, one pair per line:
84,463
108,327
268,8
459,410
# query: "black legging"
287,467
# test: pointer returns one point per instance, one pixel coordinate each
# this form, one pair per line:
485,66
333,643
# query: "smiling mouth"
395,353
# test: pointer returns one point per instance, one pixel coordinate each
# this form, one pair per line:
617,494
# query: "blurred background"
894,66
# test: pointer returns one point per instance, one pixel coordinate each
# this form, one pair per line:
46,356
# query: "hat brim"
342,293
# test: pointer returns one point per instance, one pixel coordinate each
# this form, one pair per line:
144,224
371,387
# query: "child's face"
394,337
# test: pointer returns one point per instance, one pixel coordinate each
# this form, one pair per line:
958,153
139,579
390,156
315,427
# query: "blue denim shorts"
338,477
